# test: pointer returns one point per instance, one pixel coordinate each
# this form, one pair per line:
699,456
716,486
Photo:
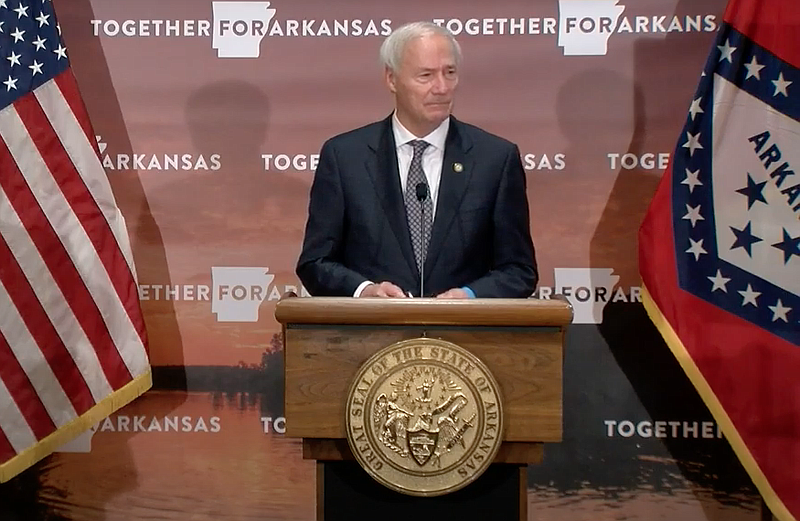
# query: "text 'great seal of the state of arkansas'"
424,417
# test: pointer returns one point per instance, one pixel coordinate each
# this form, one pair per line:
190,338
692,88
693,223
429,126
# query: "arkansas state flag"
720,245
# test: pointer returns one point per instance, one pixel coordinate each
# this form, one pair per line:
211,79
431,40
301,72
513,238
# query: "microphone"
422,194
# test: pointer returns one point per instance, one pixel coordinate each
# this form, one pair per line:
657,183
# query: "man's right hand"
384,289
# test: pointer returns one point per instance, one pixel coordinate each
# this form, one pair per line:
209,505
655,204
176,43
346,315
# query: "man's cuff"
363,285
468,291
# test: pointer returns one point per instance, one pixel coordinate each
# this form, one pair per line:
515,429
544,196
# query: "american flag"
720,245
72,337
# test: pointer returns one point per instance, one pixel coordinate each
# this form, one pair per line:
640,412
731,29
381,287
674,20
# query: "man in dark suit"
419,193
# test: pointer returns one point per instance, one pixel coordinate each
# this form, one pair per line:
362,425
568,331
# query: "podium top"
423,311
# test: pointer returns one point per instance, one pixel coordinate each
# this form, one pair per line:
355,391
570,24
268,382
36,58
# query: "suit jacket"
357,228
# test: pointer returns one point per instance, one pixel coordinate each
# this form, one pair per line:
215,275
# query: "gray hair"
394,45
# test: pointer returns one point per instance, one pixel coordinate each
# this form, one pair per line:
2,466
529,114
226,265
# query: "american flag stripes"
72,337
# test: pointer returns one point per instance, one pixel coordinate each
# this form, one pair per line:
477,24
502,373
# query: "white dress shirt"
432,160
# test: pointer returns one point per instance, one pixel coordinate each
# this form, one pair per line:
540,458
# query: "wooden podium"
326,339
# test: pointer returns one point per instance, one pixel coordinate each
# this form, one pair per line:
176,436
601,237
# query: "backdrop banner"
210,116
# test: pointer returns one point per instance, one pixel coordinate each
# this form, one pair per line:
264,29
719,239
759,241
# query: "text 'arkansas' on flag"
73,346
720,245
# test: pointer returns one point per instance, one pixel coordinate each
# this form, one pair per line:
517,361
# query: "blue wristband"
469,292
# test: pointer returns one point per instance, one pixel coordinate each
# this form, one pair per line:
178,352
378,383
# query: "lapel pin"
458,167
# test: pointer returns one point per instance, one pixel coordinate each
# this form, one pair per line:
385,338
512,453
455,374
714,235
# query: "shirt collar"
436,138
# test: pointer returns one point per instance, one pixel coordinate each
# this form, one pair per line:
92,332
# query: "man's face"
424,84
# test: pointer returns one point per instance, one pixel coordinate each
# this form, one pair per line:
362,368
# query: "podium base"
346,492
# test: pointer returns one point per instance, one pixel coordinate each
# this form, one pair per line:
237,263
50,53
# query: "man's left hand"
453,293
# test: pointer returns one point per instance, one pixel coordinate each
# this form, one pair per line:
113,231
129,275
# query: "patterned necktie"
414,207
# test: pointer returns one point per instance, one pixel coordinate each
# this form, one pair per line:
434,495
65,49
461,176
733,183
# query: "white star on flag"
14,58
692,180
693,214
695,109
726,51
61,51
719,282
21,11
781,85
779,311
749,296
17,34
42,19
692,142
39,43
10,83
753,69
36,67
696,248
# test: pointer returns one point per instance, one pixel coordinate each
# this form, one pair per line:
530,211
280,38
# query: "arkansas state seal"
424,417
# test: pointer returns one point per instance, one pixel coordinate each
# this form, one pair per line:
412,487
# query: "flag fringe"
73,429
675,344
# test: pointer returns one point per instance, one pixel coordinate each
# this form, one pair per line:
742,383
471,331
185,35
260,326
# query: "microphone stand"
422,195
